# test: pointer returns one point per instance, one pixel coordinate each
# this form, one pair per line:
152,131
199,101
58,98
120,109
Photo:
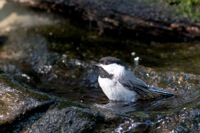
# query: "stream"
53,55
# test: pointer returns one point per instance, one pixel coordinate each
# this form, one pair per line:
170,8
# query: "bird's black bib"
104,74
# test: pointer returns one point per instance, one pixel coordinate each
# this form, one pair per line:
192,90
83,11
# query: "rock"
184,120
133,19
25,110
66,120
17,103
3,39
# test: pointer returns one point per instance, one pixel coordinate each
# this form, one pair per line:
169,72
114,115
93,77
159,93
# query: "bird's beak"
98,65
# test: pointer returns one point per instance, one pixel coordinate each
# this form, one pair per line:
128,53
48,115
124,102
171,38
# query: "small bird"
120,84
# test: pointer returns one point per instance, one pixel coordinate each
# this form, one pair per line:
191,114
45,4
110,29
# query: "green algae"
185,8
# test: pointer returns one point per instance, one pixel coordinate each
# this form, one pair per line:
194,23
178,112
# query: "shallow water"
52,55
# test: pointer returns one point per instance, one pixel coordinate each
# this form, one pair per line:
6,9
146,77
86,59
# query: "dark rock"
125,18
23,109
3,39
66,120
18,103
27,55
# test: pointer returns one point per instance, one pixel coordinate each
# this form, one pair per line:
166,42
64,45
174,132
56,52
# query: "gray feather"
161,92
140,87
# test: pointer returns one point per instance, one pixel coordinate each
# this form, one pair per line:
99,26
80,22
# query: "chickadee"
120,84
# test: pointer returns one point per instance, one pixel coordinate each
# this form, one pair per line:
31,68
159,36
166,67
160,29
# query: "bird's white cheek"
113,69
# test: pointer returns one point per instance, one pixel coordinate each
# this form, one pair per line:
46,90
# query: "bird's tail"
158,91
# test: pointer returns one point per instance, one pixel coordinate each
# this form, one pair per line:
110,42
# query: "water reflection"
140,105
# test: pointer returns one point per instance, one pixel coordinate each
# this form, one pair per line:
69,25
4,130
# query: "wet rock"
133,19
91,79
66,71
183,111
25,110
67,120
18,103
184,120
3,39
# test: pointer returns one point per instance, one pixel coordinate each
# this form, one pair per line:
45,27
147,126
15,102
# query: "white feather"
115,91
114,69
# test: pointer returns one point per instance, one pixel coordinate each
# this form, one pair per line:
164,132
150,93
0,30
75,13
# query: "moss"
190,8
186,8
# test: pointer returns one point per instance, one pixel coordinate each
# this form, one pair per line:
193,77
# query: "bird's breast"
116,91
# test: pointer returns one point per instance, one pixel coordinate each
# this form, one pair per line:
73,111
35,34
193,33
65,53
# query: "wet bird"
120,84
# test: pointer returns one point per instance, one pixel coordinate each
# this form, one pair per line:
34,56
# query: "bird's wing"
135,84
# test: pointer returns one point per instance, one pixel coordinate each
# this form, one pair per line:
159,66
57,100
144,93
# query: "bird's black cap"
109,60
